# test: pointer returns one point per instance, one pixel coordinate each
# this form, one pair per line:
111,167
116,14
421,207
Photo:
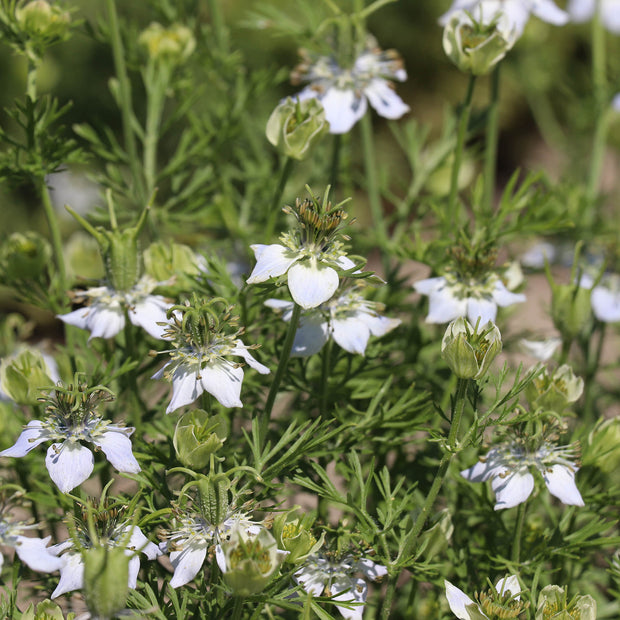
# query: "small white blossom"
104,316
508,590
451,297
345,92
323,576
542,350
583,10
515,13
33,552
349,319
605,298
508,467
68,461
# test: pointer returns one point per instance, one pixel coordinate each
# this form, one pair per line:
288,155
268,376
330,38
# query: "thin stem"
126,102
277,379
325,372
492,134
592,364
219,29
518,535
372,186
458,152
334,168
156,82
31,81
237,609
285,173
386,608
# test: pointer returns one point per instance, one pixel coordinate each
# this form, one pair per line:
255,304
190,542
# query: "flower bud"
197,436
25,256
571,310
45,610
167,261
295,126
469,353
475,47
293,534
437,538
24,375
106,575
171,45
249,562
554,392
553,604
603,446
82,256
40,19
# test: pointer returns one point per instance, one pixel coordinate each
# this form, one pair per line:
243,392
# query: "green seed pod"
197,436
294,127
106,574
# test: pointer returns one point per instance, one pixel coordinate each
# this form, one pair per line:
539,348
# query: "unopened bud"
571,310
25,256
197,436
554,391
45,610
293,534
24,375
603,446
106,576
39,18
171,45
553,604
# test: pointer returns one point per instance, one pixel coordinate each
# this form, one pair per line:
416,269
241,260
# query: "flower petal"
380,325
115,443
311,335
503,297
384,99
343,108
141,544
312,581
351,334
351,590
223,380
483,309
69,464
312,283
444,307
187,563
147,313
513,489
185,388
605,305
71,574
560,481
242,350
35,553
549,12
371,569
271,261
430,285
33,435
458,601
509,584
133,569
610,15
279,305
581,10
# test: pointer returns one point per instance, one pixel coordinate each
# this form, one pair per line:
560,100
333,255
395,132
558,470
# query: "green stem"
490,154
458,152
31,81
126,102
325,372
219,29
237,609
277,379
156,83
372,186
386,608
518,535
592,365
457,414
599,79
335,163
285,173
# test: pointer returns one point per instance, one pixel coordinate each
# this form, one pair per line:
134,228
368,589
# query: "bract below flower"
105,314
324,576
349,319
516,12
451,298
609,10
506,598
508,467
345,92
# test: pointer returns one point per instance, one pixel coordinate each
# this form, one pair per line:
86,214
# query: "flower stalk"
492,135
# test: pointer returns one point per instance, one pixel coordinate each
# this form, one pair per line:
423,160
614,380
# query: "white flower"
124,534
345,92
33,552
309,256
322,576
605,298
507,597
68,462
349,319
508,468
583,10
516,12
195,535
105,314
450,298
542,350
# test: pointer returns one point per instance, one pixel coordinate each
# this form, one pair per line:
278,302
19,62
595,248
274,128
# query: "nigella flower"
349,319
112,529
105,314
345,92
542,350
200,531
508,467
516,12
609,10
199,360
324,574
451,297
310,256
605,298
71,420
505,602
